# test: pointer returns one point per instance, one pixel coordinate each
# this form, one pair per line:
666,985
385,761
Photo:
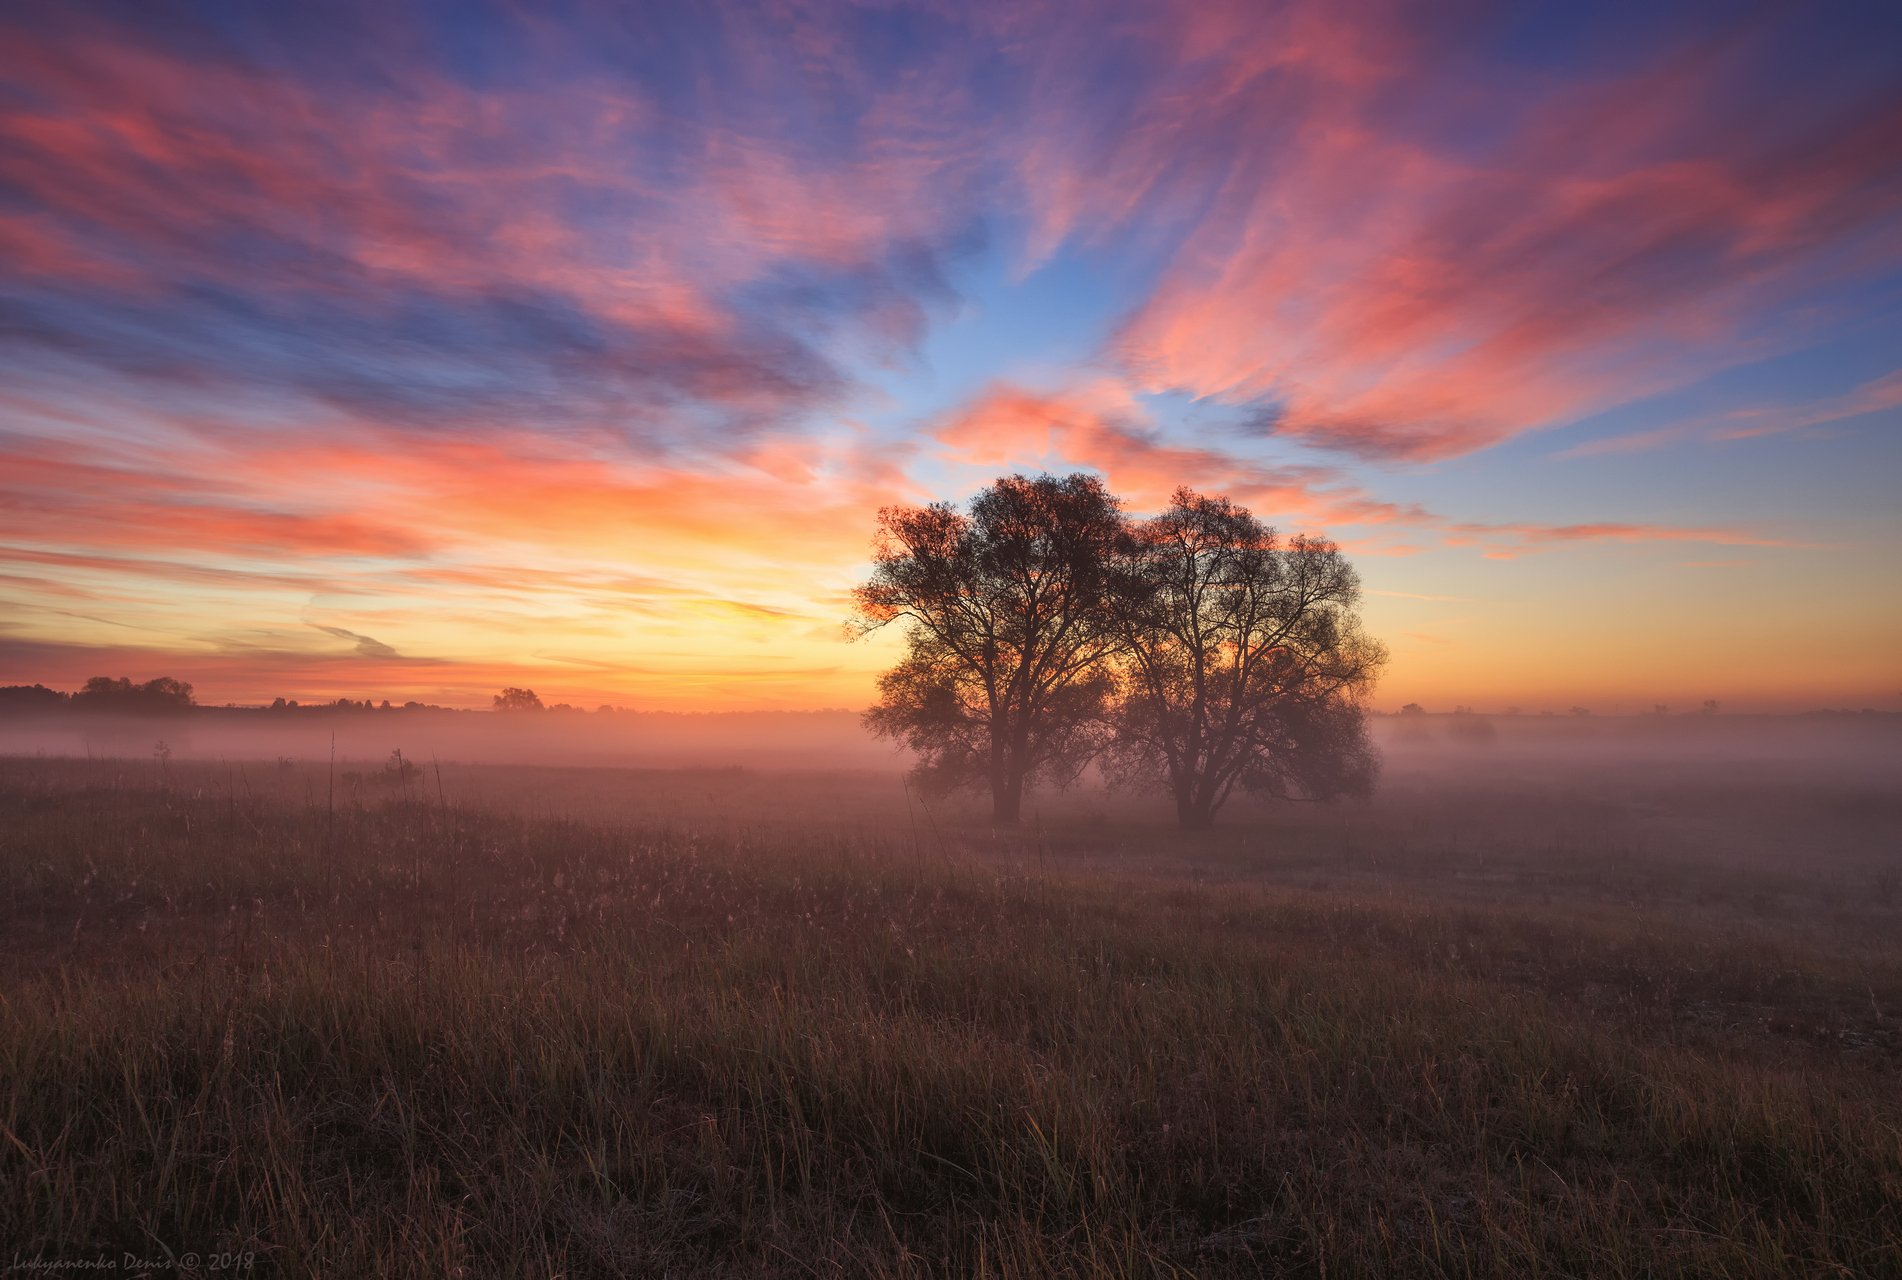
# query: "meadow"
1528,1012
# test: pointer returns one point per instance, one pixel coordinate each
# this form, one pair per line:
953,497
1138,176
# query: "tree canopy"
1006,678
512,699
1243,659
161,696
1196,650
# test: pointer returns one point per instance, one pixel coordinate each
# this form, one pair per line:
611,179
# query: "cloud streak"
1420,284
366,646
1102,425
417,250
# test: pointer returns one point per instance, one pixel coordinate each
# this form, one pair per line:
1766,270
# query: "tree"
101,691
517,700
160,696
1245,662
1006,677
30,697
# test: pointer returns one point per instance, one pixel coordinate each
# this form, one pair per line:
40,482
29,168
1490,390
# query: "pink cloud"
1509,541
1398,296
367,494
1875,396
1103,426
157,178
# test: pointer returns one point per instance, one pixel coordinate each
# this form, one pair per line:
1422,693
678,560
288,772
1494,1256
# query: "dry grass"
403,1036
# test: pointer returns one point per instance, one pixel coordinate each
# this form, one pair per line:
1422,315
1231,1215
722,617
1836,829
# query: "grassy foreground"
403,1037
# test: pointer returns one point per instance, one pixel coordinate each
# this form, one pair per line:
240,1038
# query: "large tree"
1245,661
1006,676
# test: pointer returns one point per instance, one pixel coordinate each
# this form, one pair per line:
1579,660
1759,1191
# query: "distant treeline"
121,696
165,696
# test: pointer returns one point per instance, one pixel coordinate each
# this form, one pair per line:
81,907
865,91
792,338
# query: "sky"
415,350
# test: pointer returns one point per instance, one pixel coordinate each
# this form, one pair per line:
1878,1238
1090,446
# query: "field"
1527,1013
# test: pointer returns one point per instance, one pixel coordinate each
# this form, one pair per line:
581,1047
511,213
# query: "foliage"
1044,630
161,696
30,697
1245,661
518,700
1006,677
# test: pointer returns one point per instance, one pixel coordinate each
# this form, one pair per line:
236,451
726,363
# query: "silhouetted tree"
160,696
517,700
30,697
1006,676
1245,661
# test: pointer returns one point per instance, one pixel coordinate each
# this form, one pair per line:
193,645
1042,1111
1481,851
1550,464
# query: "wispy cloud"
1878,395
413,249
1422,285
367,646
1103,425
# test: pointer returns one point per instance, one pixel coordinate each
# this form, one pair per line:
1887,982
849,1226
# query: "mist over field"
1817,746
1805,796
762,740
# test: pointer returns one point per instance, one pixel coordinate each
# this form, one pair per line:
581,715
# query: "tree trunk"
1185,806
1007,774
1003,793
1007,798
1194,812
